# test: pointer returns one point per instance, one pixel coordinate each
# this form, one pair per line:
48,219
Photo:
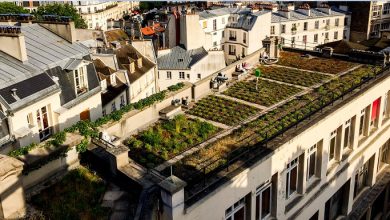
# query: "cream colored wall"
117,101
214,205
214,35
15,46
191,33
143,87
311,31
71,116
213,62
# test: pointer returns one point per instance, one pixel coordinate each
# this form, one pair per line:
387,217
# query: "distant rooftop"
296,15
180,58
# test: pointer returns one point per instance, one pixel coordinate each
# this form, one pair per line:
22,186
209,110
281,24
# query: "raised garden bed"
222,110
292,76
267,94
77,196
318,64
167,139
218,154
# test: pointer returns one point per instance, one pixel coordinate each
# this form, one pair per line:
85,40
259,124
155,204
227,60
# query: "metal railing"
248,151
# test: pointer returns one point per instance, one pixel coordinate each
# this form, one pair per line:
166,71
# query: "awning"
375,109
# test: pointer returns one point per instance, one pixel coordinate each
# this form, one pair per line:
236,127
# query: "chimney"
103,84
304,9
325,8
12,42
13,91
285,13
291,7
113,79
60,25
139,62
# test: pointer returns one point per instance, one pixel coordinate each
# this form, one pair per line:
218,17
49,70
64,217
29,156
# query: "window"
362,122
361,178
188,76
272,29
89,10
376,10
335,205
336,22
315,38
204,24
223,33
336,35
113,107
327,22
169,75
232,35
215,43
346,21
305,26
30,119
215,24
43,123
104,113
332,145
244,38
326,36
304,38
375,111
347,134
80,81
317,24
122,101
199,76
232,50
383,158
294,28
283,30
243,51
263,201
236,211
386,8
292,178
181,75
311,162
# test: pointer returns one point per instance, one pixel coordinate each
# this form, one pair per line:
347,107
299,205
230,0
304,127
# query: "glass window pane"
294,179
240,214
265,202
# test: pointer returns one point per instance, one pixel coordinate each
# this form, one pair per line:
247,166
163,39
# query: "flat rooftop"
245,123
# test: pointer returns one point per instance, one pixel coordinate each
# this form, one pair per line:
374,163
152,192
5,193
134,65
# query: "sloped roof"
343,47
296,15
246,20
180,58
116,35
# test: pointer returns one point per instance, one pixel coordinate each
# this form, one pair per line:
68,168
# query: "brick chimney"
60,25
12,42
304,9
325,8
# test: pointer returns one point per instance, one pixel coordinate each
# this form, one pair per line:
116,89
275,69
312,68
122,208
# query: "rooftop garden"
222,110
166,139
77,196
318,64
267,94
292,76
252,136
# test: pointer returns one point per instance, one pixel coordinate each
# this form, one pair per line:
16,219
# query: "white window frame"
348,126
41,128
229,213
333,135
317,24
122,98
80,80
181,75
315,38
259,193
362,124
169,75
292,165
312,150
113,107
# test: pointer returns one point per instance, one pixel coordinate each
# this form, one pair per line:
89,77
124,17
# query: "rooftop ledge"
256,140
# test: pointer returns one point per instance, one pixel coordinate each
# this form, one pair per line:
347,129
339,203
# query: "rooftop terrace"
289,97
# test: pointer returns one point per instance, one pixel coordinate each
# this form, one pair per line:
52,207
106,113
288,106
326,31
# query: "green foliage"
57,139
22,151
176,87
82,147
148,5
11,8
78,196
61,10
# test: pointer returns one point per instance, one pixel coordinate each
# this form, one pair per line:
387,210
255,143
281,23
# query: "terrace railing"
208,178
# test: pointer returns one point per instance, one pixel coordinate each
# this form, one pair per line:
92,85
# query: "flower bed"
216,154
268,93
167,139
319,64
222,110
292,76
77,196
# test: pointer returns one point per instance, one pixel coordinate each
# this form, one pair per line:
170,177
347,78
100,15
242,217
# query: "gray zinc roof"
296,15
180,58
246,20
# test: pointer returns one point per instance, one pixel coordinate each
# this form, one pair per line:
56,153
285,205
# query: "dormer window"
80,80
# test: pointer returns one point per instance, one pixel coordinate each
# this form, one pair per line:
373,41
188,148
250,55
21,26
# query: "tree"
61,10
11,8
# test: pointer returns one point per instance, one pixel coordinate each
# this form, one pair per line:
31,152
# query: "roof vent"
13,91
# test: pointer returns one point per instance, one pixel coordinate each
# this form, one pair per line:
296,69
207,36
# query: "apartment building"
180,65
48,81
334,166
97,14
307,27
